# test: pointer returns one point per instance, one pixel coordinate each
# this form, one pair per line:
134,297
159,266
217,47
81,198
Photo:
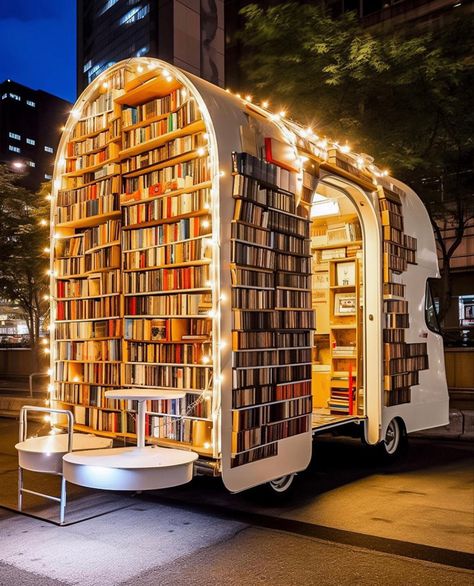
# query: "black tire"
395,442
276,492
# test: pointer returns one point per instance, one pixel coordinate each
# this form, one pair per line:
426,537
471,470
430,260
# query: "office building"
30,128
186,33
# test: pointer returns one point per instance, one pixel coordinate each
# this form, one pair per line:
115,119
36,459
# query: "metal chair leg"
62,505
20,488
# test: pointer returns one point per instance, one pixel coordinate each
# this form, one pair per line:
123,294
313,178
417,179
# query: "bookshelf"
272,315
132,263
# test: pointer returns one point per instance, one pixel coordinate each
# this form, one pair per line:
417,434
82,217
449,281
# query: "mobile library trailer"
225,284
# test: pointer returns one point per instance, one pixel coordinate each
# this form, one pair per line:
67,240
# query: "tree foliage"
404,97
24,232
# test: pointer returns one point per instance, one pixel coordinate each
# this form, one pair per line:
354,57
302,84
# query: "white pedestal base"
132,468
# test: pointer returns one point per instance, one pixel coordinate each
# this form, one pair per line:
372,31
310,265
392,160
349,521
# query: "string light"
46,250
265,104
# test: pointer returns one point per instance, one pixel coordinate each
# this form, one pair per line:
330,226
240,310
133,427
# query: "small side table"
143,395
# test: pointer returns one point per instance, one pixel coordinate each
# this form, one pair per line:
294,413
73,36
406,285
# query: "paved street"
350,521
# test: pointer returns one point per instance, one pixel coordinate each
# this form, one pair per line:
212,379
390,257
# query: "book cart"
250,282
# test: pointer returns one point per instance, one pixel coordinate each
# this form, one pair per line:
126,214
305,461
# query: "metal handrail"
24,421
23,436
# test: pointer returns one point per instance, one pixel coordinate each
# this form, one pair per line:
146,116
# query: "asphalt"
351,521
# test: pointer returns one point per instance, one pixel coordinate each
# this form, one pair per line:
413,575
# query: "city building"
30,128
186,33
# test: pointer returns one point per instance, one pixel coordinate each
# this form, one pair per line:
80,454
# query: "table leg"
141,424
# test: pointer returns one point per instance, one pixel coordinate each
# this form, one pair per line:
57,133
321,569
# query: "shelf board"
168,291
89,220
176,265
171,220
90,169
100,246
163,138
149,89
175,160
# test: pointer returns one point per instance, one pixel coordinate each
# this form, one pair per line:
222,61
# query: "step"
131,468
45,453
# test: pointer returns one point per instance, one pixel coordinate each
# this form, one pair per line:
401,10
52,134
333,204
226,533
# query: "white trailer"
269,281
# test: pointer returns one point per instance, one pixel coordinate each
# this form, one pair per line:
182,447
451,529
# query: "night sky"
38,45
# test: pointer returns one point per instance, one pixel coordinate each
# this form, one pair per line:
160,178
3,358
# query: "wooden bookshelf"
102,264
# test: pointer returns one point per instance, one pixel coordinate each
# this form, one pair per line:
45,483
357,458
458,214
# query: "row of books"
143,238
185,115
176,353
69,246
67,197
99,373
400,365
70,266
269,339
153,108
105,283
180,304
396,320
248,439
264,357
263,171
103,205
267,376
107,257
253,455
194,277
259,416
82,147
173,148
183,252
173,377
251,189
77,309
184,175
400,380
103,103
90,350
166,207
167,329
92,124
101,235
275,320
88,330
93,395
405,350
85,161
254,396
393,289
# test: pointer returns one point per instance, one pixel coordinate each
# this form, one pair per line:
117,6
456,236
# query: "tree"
24,232
405,97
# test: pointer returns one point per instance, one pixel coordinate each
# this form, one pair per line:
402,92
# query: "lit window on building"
4,96
107,5
98,69
142,51
48,176
14,149
87,66
49,149
31,163
134,14
15,97
30,141
31,103
14,135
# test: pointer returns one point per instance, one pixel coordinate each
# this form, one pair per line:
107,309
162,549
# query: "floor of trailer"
323,419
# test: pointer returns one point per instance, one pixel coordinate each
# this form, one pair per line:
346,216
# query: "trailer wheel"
395,440
283,484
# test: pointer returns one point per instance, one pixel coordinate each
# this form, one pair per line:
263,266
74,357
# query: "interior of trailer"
337,249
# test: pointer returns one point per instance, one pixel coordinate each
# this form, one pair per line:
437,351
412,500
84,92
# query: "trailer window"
431,310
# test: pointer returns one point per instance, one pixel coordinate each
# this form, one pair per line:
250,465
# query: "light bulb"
165,72
206,445
47,418
43,222
44,341
140,69
345,148
222,173
282,113
46,250
205,359
48,197
46,350
265,104
205,223
201,151
105,85
248,98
